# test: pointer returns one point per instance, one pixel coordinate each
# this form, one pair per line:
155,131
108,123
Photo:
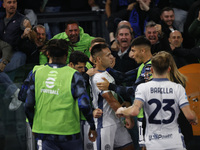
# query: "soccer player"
56,94
141,52
111,132
162,101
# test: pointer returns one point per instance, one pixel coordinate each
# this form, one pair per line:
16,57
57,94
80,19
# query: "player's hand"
97,113
129,122
92,135
92,71
103,85
119,112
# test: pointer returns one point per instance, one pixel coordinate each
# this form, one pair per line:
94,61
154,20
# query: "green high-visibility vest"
56,111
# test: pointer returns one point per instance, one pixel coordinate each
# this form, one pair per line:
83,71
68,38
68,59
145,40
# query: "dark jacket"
184,56
165,29
12,32
162,45
139,18
125,63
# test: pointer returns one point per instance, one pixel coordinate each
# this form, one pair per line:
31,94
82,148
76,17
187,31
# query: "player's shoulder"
99,75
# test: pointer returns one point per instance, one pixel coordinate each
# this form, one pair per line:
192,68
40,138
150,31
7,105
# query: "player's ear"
98,58
151,69
169,69
71,65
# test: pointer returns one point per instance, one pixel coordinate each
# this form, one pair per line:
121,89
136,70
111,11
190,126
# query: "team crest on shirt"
107,147
89,146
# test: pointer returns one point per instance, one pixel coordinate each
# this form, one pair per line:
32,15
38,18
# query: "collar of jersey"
160,79
101,70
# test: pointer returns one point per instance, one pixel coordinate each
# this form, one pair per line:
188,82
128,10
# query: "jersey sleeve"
140,93
182,97
98,78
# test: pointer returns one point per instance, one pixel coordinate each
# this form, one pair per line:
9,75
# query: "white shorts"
111,137
88,145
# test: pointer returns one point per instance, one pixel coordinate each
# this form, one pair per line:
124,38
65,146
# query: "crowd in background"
170,25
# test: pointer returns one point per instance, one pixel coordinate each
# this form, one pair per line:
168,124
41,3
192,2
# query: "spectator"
5,53
75,34
161,123
124,37
11,28
143,11
109,127
33,41
114,44
167,20
181,55
117,10
193,12
65,135
154,34
180,8
194,30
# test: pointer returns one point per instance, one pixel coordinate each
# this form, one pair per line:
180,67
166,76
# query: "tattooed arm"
132,110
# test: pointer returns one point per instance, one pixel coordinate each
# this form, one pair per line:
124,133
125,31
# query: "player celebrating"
162,101
111,132
55,98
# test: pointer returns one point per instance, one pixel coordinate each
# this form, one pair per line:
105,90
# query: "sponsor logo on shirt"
52,76
159,136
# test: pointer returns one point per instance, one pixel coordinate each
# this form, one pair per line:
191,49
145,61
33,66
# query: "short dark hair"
71,22
98,39
97,48
141,40
167,9
160,62
77,56
57,47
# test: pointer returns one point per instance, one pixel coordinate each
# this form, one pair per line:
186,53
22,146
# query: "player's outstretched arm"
190,115
130,111
114,104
